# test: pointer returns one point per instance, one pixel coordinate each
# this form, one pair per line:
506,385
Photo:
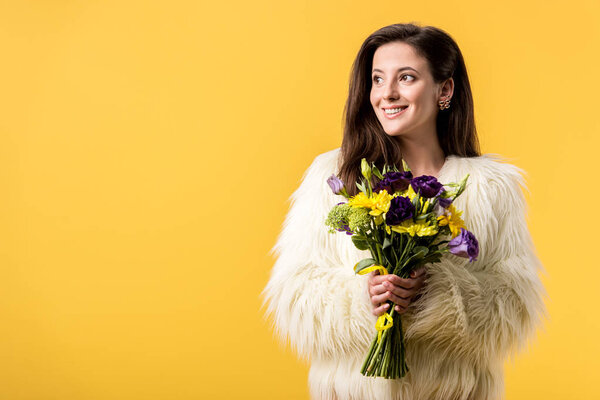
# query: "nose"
391,91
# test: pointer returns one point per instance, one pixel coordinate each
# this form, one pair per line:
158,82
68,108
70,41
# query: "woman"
409,99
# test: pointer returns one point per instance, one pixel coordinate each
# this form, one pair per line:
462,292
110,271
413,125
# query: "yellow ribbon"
375,267
380,325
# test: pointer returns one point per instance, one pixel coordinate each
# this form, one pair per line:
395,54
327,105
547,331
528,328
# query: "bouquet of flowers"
405,222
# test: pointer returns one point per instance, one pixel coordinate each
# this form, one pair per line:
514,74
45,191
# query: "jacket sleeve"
489,308
316,300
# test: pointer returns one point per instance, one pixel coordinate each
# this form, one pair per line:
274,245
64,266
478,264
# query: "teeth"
394,110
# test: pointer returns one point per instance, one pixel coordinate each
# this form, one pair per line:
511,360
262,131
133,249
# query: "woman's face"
401,78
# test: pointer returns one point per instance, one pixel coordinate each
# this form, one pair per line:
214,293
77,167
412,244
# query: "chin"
394,132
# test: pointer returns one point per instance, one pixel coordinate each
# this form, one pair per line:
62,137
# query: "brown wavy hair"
364,136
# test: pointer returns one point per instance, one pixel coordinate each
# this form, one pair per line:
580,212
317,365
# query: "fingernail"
386,306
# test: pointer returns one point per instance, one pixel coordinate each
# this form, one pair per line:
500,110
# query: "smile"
392,113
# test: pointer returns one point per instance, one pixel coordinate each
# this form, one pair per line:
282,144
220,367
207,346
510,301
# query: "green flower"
344,218
359,219
337,219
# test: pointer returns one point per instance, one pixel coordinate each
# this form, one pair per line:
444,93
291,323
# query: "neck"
423,155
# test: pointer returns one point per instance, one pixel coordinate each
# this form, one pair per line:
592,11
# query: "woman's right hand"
390,287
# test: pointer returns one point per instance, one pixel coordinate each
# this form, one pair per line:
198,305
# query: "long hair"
364,136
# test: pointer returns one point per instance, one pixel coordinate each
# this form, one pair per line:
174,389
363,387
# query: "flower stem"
369,355
381,342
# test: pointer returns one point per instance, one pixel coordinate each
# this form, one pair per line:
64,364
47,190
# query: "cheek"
418,94
373,97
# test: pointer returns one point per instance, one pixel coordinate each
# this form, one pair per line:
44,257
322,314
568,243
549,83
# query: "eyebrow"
398,70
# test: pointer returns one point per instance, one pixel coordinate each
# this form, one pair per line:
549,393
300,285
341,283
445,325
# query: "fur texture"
470,317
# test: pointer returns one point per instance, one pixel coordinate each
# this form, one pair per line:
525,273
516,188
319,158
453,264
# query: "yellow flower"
452,218
378,203
360,200
409,192
415,228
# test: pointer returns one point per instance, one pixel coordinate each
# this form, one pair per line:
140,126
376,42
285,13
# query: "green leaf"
421,249
360,242
367,262
423,216
432,258
386,243
419,253
462,185
361,186
376,172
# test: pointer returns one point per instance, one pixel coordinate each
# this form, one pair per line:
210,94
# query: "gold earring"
444,103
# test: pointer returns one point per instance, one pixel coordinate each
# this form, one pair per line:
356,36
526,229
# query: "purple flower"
444,202
345,228
427,185
394,182
401,209
464,245
335,184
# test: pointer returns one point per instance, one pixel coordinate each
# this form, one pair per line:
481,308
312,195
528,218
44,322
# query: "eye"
402,77
375,78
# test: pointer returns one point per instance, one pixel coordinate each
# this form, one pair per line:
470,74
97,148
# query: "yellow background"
147,151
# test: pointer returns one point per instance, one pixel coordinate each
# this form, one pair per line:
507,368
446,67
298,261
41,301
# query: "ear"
447,88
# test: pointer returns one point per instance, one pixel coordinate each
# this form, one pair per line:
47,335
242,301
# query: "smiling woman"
409,100
420,68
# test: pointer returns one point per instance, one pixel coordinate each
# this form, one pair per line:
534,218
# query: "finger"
411,293
406,283
376,289
418,272
379,298
419,282
389,296
377,311
376,273
400,309
375,279
397,290
398,301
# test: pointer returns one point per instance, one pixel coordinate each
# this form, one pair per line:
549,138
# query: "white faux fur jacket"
470,317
